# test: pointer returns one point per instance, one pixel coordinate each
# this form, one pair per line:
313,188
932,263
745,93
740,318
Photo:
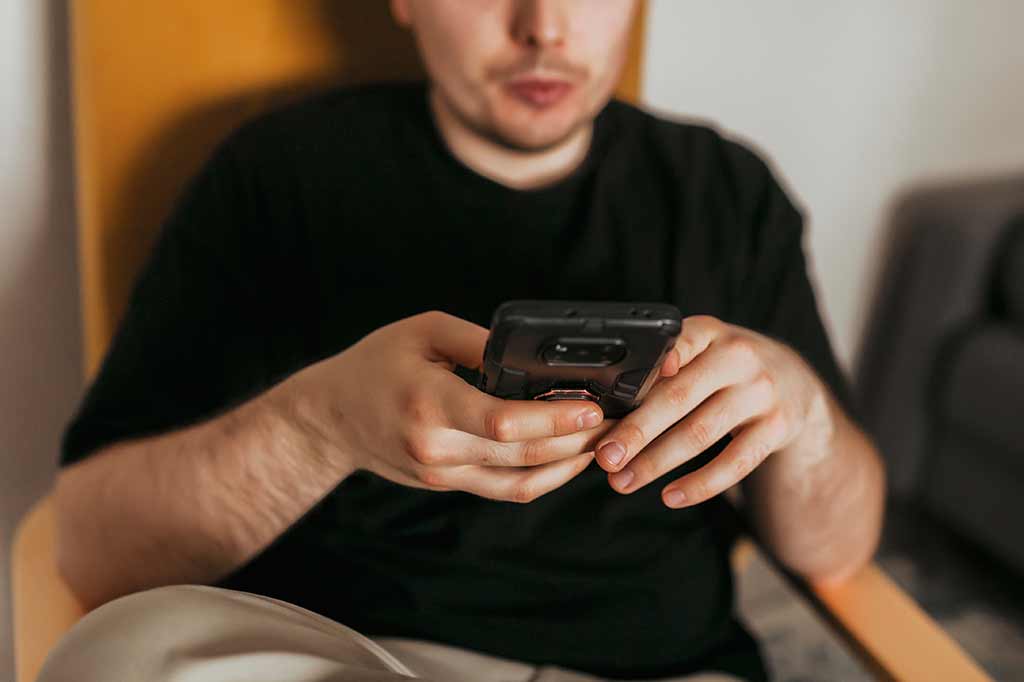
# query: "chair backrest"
158,84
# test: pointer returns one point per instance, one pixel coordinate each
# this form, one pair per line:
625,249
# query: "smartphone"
606,352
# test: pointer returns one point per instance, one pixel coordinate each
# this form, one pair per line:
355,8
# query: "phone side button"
510,382
623,394
631,381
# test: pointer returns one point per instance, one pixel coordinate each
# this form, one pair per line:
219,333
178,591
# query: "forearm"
818,504
191,505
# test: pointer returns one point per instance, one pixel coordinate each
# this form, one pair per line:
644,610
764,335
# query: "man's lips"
539,93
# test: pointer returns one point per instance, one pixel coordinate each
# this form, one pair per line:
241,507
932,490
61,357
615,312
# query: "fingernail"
588,420
612,452
622,479
675,498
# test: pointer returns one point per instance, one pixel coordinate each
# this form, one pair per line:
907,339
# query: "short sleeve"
188,345
774,288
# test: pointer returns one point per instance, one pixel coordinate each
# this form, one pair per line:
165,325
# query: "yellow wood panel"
631,81
157,84
44,607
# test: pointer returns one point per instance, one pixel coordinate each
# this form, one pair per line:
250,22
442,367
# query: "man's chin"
533,139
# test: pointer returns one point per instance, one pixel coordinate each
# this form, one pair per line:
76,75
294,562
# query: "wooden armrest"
883,625
44,608
887,627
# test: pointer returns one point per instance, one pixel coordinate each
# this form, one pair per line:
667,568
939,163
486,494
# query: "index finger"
471,410
697,334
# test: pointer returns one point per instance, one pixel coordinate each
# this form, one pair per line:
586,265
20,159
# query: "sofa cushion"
1010,272
976,494
981,390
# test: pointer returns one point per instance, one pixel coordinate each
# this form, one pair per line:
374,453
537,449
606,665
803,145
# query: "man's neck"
510,167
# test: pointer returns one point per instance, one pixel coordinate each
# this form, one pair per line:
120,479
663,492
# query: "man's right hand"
390,404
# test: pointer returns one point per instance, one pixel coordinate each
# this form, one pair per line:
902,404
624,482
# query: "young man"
278,414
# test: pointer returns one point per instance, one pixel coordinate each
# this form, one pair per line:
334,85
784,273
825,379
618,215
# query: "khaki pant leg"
433,660
193,633
437,661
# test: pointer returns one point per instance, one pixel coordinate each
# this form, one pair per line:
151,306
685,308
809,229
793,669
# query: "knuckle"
432,477
677,393
492,455
631,435
421,449
704,431
432,316
534,452
746,462
776,426
742,347
684,346
499,426
562,422
762,448
523,493
764,383
418,406
705,320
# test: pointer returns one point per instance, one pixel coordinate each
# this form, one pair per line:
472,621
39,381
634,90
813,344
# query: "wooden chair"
156,84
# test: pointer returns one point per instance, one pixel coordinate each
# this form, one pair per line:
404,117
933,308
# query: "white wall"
39,328
855,102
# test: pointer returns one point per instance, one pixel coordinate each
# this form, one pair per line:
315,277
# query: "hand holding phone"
391,405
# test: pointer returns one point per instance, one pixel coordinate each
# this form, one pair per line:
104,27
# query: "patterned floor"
979,602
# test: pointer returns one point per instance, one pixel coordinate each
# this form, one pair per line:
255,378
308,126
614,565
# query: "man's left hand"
718,379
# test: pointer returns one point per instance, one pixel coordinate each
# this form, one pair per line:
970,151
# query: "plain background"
856,103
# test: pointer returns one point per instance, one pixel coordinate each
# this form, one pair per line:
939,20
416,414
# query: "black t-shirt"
318,223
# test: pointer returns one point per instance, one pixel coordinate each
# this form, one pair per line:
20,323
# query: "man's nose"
540,23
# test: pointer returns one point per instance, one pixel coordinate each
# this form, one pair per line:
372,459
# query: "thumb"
453,340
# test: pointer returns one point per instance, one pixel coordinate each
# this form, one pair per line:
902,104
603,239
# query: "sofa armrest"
937,276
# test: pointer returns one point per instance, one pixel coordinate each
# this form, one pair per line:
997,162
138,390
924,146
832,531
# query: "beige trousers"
192,633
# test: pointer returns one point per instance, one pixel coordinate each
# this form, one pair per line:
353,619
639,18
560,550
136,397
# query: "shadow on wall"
367,46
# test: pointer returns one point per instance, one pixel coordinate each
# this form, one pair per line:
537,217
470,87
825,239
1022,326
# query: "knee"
164,607
144,623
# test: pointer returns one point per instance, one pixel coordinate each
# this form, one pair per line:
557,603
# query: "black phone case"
515,368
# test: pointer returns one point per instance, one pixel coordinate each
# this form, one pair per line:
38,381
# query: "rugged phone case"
518,358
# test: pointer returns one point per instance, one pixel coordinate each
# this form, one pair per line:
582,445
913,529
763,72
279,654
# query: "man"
278,413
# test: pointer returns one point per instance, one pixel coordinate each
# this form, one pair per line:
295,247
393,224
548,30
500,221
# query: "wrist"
302,422
822,419
816,440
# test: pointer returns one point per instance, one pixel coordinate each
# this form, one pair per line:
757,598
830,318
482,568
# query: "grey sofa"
941,372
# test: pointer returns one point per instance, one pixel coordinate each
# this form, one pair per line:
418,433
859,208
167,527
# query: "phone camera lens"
583,352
